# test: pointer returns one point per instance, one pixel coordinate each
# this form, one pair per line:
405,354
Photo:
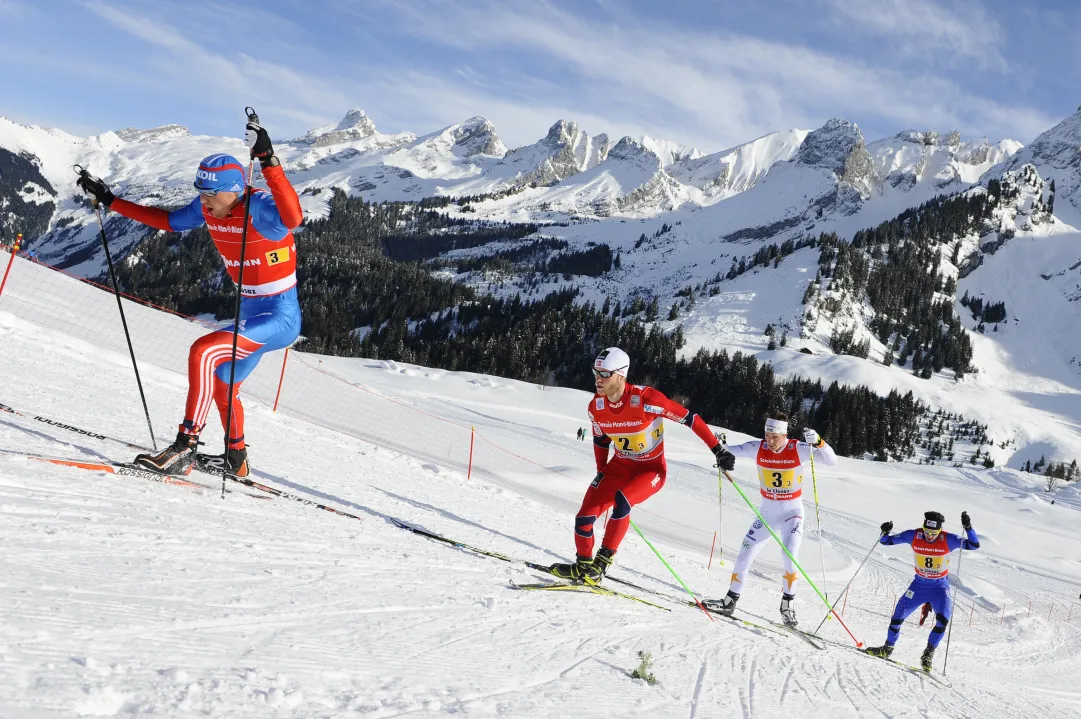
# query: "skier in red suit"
629,418
269,310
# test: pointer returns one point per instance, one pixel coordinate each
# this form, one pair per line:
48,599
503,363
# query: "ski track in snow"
123,597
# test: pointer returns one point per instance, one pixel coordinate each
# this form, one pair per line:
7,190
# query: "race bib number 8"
930,564
279,255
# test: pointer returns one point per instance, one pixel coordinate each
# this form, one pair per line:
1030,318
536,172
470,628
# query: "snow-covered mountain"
1056,155
677,219
568,173
729,172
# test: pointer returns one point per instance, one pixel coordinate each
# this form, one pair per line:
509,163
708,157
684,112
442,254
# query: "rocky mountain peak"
562,133
1061,145
154,134
830,146
356,125
357,119
477,136
632,150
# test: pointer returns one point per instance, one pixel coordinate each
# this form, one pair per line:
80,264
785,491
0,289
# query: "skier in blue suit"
932,548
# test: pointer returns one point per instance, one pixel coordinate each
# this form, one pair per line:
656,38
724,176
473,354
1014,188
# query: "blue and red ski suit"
269,310
931,584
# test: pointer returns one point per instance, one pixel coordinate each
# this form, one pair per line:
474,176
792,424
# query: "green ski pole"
794,561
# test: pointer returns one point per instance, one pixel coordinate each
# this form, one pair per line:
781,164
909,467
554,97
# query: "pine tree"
652,310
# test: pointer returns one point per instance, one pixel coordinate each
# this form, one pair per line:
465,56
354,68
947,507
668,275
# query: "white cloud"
230,82
727,87
524,66
960,28
12,8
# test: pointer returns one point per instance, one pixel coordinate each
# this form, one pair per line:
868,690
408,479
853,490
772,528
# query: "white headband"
777,426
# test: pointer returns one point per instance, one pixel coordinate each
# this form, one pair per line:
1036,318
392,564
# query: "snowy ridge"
1057,155
468,158
729,172
124,597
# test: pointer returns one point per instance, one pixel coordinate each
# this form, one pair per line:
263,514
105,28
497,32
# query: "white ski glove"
811,437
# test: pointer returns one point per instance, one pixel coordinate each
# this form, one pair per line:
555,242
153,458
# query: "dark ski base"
914,670
738,620
604,591
810,639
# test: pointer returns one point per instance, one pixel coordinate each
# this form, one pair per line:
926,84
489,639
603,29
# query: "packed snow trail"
126,597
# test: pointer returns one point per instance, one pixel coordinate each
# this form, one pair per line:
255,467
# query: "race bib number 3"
778,480
281,254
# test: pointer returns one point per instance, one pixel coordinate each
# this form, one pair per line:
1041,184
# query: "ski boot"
594,573
927,657
787,612
234,462
175,460
883,651
726,606
571,572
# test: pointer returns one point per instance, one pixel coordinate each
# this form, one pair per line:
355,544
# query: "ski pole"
120,306
666,564
794,561
720,519
14,252
818,521
253,118
960,553
843,591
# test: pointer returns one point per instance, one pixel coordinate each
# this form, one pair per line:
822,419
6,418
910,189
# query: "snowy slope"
728,172
123,597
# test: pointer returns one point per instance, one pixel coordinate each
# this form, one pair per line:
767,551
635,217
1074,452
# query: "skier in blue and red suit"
269,310
932,548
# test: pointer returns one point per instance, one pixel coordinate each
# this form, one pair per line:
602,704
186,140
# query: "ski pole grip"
252,117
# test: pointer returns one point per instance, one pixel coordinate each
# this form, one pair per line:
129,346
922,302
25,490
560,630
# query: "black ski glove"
94,187
966,521
886,527
259,143
725,459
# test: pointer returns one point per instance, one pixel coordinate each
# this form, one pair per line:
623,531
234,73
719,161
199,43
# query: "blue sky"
710,73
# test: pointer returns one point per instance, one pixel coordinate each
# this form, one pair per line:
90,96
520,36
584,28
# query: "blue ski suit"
931,584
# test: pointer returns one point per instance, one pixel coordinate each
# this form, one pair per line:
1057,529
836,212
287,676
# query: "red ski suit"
635,426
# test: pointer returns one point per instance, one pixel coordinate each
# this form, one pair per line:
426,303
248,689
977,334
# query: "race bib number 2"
640,442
